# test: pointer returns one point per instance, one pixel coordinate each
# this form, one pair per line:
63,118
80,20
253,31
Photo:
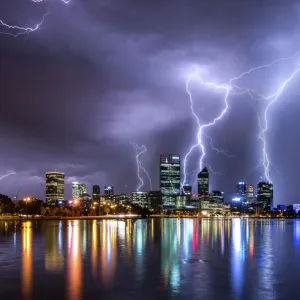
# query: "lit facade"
109,193
249,193
55,187
169,179
216,196
78,190
203,183
140,199
265,195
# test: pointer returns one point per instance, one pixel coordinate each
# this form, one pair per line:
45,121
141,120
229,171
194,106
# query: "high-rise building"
203,183
241,189
249,193
78,190
140,199
96,193
265,195
169,179
55,187
109,193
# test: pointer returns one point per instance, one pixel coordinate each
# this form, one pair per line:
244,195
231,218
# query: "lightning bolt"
15,30
272,98
202,127
8,174
219,151
264,127
233,89
139,150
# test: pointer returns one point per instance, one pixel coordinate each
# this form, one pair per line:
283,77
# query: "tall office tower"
249,193
241,189
109,191
169,179
78,190
140,199
203,183
96,193
265,195
55,187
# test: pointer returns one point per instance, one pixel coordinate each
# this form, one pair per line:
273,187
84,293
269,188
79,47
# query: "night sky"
101,73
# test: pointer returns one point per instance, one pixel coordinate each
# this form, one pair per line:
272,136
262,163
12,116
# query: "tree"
6,205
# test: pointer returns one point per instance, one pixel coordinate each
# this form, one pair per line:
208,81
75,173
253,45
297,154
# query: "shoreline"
114,217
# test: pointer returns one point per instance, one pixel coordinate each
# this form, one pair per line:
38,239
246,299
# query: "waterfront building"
109,193
217,196
203,183
265,195
169,179
155,200
281,207
96,193
78,190
237,205
120,199
140,199
249,196
55,187
241,189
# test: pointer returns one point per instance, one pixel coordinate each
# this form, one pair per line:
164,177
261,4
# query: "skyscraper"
96,193
78,189
249,193
265,194
169,179
55,187
203,183
241,189
109,191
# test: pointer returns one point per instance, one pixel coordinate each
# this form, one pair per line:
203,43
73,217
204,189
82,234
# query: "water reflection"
26,260
237,256
94,248
170,259
159,258
74,261
54,259
108,252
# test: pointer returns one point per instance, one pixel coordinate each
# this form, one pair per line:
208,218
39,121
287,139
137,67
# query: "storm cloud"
98,74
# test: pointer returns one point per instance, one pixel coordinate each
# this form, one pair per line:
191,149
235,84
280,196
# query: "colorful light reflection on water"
154,258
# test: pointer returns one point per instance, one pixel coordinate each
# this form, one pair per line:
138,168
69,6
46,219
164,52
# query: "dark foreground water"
150,259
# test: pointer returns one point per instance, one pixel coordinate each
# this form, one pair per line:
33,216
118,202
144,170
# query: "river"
150,259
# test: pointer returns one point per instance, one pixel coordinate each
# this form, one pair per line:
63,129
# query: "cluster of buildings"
171,195
177,196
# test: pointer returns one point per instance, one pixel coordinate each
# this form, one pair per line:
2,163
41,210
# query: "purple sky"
101,73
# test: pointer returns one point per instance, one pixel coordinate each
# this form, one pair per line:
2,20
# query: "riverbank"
122,217
107,217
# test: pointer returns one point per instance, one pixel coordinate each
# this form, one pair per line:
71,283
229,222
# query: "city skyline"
76,108
171,187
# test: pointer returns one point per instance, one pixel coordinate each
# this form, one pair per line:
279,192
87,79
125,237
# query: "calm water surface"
150,259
